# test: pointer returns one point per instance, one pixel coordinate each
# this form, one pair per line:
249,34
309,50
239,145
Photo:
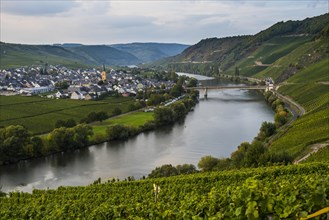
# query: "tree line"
163,115
17,143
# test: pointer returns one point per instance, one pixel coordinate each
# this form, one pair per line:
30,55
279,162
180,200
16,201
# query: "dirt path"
259,63
314,149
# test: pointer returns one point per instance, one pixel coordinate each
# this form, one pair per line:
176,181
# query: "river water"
216,127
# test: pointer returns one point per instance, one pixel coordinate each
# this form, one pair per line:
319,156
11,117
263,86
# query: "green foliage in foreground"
276,192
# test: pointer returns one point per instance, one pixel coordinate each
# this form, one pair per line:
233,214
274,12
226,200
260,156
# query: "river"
216,127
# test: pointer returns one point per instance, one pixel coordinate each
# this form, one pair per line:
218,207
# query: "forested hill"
101,54
250,53
295,55
78,55
15,55
148,52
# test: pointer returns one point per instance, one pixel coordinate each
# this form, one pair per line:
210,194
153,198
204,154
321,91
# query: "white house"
77,95
58,95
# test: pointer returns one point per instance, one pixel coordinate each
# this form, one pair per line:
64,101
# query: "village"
83,84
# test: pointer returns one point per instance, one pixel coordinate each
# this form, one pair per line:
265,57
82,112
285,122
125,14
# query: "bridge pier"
205,92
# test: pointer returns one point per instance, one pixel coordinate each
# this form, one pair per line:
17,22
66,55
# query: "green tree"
60,123
2,194
216,71
179,110
237,71
185,169
267,129
100,116
70,123
254,155
280,118
117,132
163,116
173,76
167,96
207,163
13,139
38,146
155,99
61,139
163,171
238,156
223,164
176,90
81,134
192,82
116,111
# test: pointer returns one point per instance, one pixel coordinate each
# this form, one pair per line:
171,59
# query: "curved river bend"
216,127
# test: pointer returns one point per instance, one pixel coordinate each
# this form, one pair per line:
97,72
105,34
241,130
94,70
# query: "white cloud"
105,22
37,7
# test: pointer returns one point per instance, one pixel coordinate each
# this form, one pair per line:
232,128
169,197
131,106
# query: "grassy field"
39,115
135,119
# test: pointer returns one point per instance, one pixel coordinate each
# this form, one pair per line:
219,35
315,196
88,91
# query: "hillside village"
82,84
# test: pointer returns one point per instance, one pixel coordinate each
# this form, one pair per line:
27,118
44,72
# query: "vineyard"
39,115
279,192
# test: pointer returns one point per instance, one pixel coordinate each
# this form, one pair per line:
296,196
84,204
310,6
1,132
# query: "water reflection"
215,127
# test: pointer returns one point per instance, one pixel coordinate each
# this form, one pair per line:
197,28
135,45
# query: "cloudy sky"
123,21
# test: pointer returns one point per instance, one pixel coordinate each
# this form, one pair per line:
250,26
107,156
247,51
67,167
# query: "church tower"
104,73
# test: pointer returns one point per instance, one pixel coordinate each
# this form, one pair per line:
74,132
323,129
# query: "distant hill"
73,55
148,52
256,54
102,54
206,51
68,45
78,55
15,55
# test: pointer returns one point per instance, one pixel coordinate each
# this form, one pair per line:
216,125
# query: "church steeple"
104,73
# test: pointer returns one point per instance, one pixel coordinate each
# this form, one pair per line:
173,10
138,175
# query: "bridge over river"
244,87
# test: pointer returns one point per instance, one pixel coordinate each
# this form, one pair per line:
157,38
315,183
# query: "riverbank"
216,127
65,139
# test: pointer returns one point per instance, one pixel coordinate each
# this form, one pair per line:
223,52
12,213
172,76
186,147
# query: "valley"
233,154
